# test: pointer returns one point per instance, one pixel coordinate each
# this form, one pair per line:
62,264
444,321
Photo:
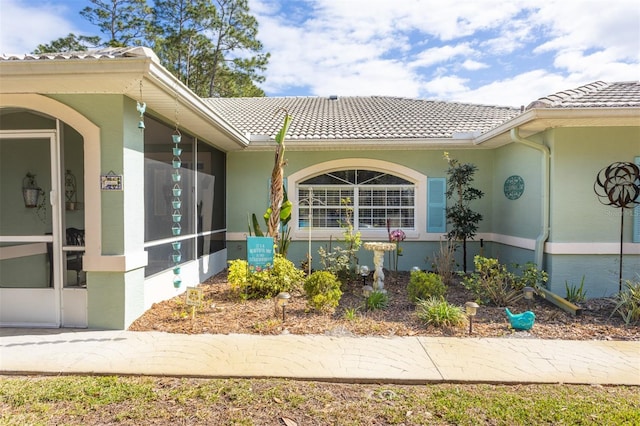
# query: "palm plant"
276,197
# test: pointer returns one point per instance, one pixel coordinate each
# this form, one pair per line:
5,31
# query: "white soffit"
123,76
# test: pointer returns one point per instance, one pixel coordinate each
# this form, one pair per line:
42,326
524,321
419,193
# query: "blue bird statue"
523,321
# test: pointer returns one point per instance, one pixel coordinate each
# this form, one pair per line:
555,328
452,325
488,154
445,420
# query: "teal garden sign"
259,253
513,187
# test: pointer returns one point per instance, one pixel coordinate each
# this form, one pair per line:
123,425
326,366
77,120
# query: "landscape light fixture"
528,294
364,271
282,299
367,290
472,309
415,269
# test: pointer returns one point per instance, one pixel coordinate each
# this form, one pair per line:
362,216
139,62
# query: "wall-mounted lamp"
471,308
31,191
70,191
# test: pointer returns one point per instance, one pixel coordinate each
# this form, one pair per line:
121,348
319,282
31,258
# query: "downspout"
546,154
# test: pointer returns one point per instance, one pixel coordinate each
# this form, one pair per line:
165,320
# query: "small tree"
278,213
276,197
464,221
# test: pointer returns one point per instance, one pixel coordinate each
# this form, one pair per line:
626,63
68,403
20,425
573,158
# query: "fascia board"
160,89
264,144
537,120
112,76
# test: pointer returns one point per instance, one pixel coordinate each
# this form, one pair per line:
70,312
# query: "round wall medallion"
513,187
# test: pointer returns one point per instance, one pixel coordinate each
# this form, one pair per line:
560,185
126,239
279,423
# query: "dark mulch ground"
223,313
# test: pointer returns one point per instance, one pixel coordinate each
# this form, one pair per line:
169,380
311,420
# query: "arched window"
377,191
373,199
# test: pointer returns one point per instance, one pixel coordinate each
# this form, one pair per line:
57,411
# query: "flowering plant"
396,236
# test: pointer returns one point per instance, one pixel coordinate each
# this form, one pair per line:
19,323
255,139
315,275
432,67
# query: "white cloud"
444,87
483,51
586,24
24,25
437,48
516,91
437,55
472,65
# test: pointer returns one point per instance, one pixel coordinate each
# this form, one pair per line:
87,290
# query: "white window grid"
372,206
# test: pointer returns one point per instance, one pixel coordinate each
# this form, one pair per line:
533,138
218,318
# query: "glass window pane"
380,197
161,256
211,172
160,183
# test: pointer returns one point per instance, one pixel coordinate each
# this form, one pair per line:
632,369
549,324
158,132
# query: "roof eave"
267,144
540,119
195,105
164,95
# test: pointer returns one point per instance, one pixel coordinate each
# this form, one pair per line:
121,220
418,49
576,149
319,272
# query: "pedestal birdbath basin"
378,249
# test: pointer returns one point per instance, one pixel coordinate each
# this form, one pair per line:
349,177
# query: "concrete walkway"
324,358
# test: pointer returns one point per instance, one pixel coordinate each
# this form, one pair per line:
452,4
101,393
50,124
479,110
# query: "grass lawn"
81,400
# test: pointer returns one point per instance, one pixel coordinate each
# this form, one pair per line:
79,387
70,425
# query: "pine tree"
70,43
123,21
210,47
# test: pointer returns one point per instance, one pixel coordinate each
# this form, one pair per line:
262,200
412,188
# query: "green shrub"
283,276
575,294
492,283
350,314
628,303
423,285
444,262
376,300
531,276
322,289
237,275
342,260
438,312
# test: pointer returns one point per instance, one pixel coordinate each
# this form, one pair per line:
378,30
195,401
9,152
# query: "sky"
492,52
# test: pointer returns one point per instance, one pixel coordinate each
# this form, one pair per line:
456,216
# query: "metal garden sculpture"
618,185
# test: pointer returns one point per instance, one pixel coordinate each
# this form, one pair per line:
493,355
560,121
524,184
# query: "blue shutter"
636,216
436,205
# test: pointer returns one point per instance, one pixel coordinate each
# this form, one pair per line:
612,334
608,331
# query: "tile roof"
594,95
353,118
104,53
375,117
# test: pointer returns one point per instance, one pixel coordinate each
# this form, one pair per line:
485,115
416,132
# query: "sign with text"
259,253
194,296
111,182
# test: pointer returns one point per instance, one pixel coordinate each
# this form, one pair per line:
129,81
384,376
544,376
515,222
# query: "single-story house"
145,189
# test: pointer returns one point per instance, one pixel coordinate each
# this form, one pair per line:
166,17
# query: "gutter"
546,155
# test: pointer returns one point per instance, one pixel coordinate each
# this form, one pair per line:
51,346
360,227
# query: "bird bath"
378,262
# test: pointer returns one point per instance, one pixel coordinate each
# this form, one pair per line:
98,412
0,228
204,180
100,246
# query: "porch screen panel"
24,265
210,200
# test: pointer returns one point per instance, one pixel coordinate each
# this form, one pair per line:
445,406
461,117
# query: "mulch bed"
223,312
